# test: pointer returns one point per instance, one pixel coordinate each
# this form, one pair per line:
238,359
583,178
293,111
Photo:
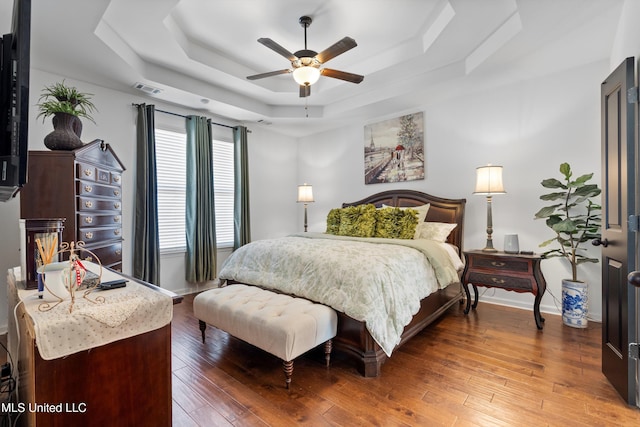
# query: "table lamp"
488,183
305,195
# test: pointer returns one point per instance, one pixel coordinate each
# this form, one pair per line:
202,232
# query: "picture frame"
394,150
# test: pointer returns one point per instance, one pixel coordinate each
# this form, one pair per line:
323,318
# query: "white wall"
272,175
529,127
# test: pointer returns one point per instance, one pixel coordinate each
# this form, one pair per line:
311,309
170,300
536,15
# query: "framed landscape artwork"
394,150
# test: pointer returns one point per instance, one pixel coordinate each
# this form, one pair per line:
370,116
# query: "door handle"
634,278
598,242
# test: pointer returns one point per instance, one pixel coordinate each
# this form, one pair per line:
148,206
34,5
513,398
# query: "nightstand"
512,272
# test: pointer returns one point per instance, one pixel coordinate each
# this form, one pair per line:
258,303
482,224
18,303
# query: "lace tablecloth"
125,312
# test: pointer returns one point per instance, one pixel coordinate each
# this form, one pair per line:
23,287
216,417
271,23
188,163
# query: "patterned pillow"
396,223
358,221
438,231
422,213
333,221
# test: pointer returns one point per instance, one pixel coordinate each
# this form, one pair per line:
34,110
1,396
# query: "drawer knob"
88,219
116,232
497,263
498,281
116,192
89,258
88,188
116,218
118,251
88,204
88,235
116,178
88,172
116,205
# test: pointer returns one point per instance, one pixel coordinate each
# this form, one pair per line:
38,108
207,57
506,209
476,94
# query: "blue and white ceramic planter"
575,303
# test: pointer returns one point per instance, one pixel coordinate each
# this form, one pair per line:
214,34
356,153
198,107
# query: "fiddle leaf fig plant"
574,218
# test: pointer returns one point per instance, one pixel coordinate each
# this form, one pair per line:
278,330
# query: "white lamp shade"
489,180
306,75
305,193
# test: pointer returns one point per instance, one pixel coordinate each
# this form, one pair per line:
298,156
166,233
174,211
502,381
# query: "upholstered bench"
278,324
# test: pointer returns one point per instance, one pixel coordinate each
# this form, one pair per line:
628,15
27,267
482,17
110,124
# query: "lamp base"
489,245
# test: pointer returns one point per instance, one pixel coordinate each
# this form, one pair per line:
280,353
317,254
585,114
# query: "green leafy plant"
60,98
575,219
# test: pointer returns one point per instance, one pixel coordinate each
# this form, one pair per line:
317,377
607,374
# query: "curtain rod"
182,115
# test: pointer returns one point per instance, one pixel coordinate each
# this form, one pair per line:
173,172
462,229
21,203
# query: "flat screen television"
14,101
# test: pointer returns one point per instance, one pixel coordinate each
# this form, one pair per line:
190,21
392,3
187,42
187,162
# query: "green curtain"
146,243
200,209
241,220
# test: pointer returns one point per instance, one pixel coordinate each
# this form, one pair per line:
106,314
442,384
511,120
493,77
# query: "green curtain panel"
146,243
241,219
200,209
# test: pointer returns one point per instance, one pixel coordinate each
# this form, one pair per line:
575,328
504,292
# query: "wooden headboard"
441,209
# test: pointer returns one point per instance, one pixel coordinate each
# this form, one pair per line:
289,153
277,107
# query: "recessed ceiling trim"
494,42
437,27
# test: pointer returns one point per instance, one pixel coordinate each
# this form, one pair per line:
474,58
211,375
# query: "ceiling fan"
306,63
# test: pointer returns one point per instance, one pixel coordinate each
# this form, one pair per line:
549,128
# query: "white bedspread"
377,281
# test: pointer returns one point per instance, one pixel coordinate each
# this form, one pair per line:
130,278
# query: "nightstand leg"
536,312
475,296
467,307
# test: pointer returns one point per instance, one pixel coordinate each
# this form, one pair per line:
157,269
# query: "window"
171,154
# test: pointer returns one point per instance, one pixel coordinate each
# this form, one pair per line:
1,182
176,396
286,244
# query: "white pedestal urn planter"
575,303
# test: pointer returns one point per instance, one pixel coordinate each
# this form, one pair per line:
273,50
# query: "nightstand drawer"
501,281
501,264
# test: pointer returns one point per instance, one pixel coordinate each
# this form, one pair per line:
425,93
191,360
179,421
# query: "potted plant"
575,220
66,104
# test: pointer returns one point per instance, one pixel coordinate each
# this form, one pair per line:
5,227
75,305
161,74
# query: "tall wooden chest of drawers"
84,186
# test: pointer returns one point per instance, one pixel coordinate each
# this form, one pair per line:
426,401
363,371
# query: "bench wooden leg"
328,346
203,326
288,371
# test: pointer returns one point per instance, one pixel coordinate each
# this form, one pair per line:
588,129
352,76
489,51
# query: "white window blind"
171,166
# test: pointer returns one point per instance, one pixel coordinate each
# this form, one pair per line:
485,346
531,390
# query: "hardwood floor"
491,368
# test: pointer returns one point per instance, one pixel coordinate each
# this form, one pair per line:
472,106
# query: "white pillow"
438,231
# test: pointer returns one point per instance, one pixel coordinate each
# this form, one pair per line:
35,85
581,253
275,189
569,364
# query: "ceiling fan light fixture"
306,75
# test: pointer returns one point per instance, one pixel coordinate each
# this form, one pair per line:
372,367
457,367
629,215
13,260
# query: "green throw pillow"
396,223
358,221
333,221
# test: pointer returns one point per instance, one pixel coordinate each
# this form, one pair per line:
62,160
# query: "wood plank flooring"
491,368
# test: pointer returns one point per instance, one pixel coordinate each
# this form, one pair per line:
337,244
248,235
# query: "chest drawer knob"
88,219
497,263
88,188
116,232
89,258
88,172
116,218
498,281
88,235
118,252
116,178
88,204
116,192
116,205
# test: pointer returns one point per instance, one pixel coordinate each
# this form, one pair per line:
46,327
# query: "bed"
362,339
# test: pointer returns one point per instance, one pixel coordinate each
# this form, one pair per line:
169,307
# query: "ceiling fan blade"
277,48
269,74
336,49
342,75
305,90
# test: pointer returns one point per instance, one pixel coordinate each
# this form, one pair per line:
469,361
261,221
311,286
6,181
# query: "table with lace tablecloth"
103,356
